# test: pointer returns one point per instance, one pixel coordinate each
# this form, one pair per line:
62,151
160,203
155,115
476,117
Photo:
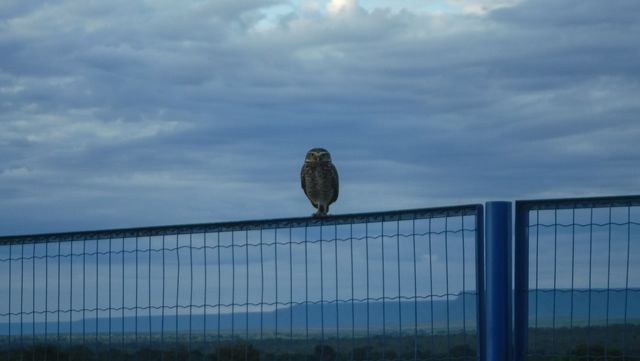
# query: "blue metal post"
521,271
480,282
498,281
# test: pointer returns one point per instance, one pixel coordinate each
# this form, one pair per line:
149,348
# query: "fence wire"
583,278
380,286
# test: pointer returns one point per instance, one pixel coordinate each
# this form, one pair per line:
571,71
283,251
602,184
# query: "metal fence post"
480,284
521,282
498,281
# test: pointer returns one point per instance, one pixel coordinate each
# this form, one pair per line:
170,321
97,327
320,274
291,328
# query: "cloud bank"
131,114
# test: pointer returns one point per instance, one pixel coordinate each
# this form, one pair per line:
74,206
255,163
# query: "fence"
577,279
392,285
405,285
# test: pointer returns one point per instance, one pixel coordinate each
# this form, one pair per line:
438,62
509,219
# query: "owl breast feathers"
319,179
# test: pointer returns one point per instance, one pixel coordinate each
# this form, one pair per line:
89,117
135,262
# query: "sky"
123,114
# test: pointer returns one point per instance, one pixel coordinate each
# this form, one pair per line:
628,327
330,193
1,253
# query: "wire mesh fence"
379,286
578,279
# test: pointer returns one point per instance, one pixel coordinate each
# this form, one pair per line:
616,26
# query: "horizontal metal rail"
577,203
389,216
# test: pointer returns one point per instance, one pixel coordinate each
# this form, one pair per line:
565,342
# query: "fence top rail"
577,203
355,218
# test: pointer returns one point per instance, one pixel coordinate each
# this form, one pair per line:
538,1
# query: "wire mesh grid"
583,279
380,286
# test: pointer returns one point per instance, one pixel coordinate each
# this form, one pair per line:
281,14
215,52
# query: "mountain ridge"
547,308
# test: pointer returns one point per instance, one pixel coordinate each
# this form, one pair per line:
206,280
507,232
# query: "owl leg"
322,211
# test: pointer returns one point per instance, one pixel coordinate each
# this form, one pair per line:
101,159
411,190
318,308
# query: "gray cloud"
125,114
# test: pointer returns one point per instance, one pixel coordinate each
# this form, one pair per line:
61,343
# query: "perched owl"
319,179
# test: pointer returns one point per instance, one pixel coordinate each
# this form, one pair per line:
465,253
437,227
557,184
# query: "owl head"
318,155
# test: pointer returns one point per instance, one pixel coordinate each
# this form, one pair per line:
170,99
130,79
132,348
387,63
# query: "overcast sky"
122,114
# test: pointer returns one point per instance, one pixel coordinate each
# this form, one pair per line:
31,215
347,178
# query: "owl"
319,179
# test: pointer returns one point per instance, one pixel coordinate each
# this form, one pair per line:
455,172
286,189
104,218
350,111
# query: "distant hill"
458,313
588,306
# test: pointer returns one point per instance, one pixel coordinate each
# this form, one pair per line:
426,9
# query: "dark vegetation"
616,342
560,344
